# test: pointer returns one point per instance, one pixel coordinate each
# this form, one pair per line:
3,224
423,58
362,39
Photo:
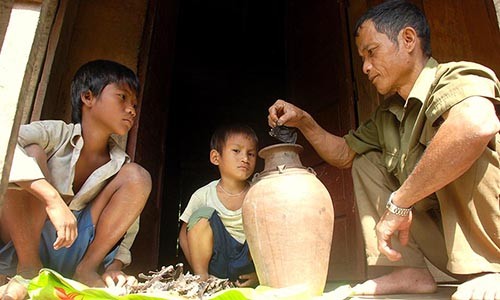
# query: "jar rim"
264,152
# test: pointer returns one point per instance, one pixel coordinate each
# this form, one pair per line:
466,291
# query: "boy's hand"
57,210
64,222
114,277
118,279
247,280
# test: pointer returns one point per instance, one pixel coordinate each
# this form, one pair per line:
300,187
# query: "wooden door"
146,142
320,81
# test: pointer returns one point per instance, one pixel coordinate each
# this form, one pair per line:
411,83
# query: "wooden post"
5,9
15,97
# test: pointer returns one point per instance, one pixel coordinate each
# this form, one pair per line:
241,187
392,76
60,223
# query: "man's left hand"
388,224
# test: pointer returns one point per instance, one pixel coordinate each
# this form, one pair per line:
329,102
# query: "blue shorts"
230,258
64,260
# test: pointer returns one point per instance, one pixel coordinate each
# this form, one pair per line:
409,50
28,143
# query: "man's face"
383,61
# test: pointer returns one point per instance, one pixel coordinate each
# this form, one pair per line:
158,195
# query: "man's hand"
388,224
284,113
247,280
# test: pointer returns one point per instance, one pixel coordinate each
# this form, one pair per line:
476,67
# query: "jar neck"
279,155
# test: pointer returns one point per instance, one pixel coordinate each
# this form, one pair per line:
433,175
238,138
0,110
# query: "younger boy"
211,234
76,175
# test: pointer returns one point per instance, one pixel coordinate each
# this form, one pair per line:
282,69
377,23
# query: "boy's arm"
58,212
29,169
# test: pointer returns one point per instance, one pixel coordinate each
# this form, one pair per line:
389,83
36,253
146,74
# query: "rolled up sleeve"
24,167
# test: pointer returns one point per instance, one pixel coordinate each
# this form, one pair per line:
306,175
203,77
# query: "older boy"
211,235
433,147
77,176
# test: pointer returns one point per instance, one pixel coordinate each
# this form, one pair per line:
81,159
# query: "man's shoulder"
464,68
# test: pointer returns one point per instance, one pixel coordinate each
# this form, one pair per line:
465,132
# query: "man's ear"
86,98
214,157
409,38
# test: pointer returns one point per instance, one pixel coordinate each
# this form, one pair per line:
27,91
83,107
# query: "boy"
77,176
211,234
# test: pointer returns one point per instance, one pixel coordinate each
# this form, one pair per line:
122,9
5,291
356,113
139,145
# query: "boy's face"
238,157
114,109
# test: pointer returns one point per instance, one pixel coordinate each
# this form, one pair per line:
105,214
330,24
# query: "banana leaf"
50,285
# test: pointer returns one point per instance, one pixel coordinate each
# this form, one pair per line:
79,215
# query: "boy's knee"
135,174
202,214
200,224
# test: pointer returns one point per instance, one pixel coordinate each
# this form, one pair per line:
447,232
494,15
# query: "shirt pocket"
390,160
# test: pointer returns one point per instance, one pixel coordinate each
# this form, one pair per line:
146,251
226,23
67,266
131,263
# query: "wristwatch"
394,209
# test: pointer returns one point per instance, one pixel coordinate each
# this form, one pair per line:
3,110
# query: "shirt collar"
424,81
115,151
76,136
396,105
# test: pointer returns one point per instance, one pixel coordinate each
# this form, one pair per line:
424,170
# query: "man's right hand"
284,113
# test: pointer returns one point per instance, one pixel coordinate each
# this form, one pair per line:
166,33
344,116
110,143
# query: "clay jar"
288,221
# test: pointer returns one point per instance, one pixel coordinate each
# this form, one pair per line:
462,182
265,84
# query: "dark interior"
229,67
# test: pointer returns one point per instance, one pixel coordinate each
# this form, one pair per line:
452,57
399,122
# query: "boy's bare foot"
89,278
203,277
483,287
28,273
13,290
399,281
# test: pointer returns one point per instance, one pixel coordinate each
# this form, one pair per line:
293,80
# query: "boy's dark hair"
94,76
223,132
391,16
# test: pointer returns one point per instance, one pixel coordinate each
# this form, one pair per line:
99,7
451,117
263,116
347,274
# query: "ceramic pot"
288,221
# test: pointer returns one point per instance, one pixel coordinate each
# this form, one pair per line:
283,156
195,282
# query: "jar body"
288,221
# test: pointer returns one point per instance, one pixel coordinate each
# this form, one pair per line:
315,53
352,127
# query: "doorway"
229,66
232,60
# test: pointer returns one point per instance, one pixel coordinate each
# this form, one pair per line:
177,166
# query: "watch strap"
396,210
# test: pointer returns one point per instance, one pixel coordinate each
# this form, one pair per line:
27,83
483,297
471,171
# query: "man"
427,160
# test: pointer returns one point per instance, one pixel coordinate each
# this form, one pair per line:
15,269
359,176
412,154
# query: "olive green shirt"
401,129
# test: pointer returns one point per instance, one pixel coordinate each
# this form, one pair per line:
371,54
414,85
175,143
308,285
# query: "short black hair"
391,16
94,76
223,132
